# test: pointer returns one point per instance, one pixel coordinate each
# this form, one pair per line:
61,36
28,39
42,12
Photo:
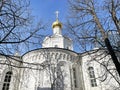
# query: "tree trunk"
113,56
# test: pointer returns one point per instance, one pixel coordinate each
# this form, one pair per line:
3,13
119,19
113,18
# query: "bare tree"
16,25
18,31
90,22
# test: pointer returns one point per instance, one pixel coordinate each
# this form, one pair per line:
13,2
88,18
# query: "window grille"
7,80
92,77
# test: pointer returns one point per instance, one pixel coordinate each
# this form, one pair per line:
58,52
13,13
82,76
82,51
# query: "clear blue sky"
45,9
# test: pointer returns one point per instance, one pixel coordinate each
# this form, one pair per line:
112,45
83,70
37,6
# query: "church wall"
41,78
86,77
40,75
7,64
68,43
53,41
91,60
79,82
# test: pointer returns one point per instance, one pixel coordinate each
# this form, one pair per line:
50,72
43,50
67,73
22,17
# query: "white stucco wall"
10,63
94,58
31,79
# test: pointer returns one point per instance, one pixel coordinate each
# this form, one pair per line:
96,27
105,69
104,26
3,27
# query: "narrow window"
74,78
7,80
92,77
56,46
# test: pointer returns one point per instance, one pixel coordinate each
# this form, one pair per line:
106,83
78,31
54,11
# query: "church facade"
55,66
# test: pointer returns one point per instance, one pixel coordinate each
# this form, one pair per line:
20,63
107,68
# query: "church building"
56,66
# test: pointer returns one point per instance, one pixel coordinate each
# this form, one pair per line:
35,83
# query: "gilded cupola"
57,22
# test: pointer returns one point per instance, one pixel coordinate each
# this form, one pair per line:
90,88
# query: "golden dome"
57,23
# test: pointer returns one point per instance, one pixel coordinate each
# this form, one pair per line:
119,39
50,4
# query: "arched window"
92,77
7,80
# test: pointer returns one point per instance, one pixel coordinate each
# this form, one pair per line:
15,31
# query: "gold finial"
57,23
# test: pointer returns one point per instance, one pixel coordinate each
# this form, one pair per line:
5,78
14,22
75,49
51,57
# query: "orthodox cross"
57,13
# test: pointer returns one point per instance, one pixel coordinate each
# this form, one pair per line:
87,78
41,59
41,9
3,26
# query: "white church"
56,66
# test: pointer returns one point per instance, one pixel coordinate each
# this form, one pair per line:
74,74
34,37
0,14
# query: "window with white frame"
7,80
92,77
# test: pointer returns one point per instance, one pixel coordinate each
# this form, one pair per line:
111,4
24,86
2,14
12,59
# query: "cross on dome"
57,14
57,23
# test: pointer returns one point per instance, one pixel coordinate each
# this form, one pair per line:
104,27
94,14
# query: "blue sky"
45,9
